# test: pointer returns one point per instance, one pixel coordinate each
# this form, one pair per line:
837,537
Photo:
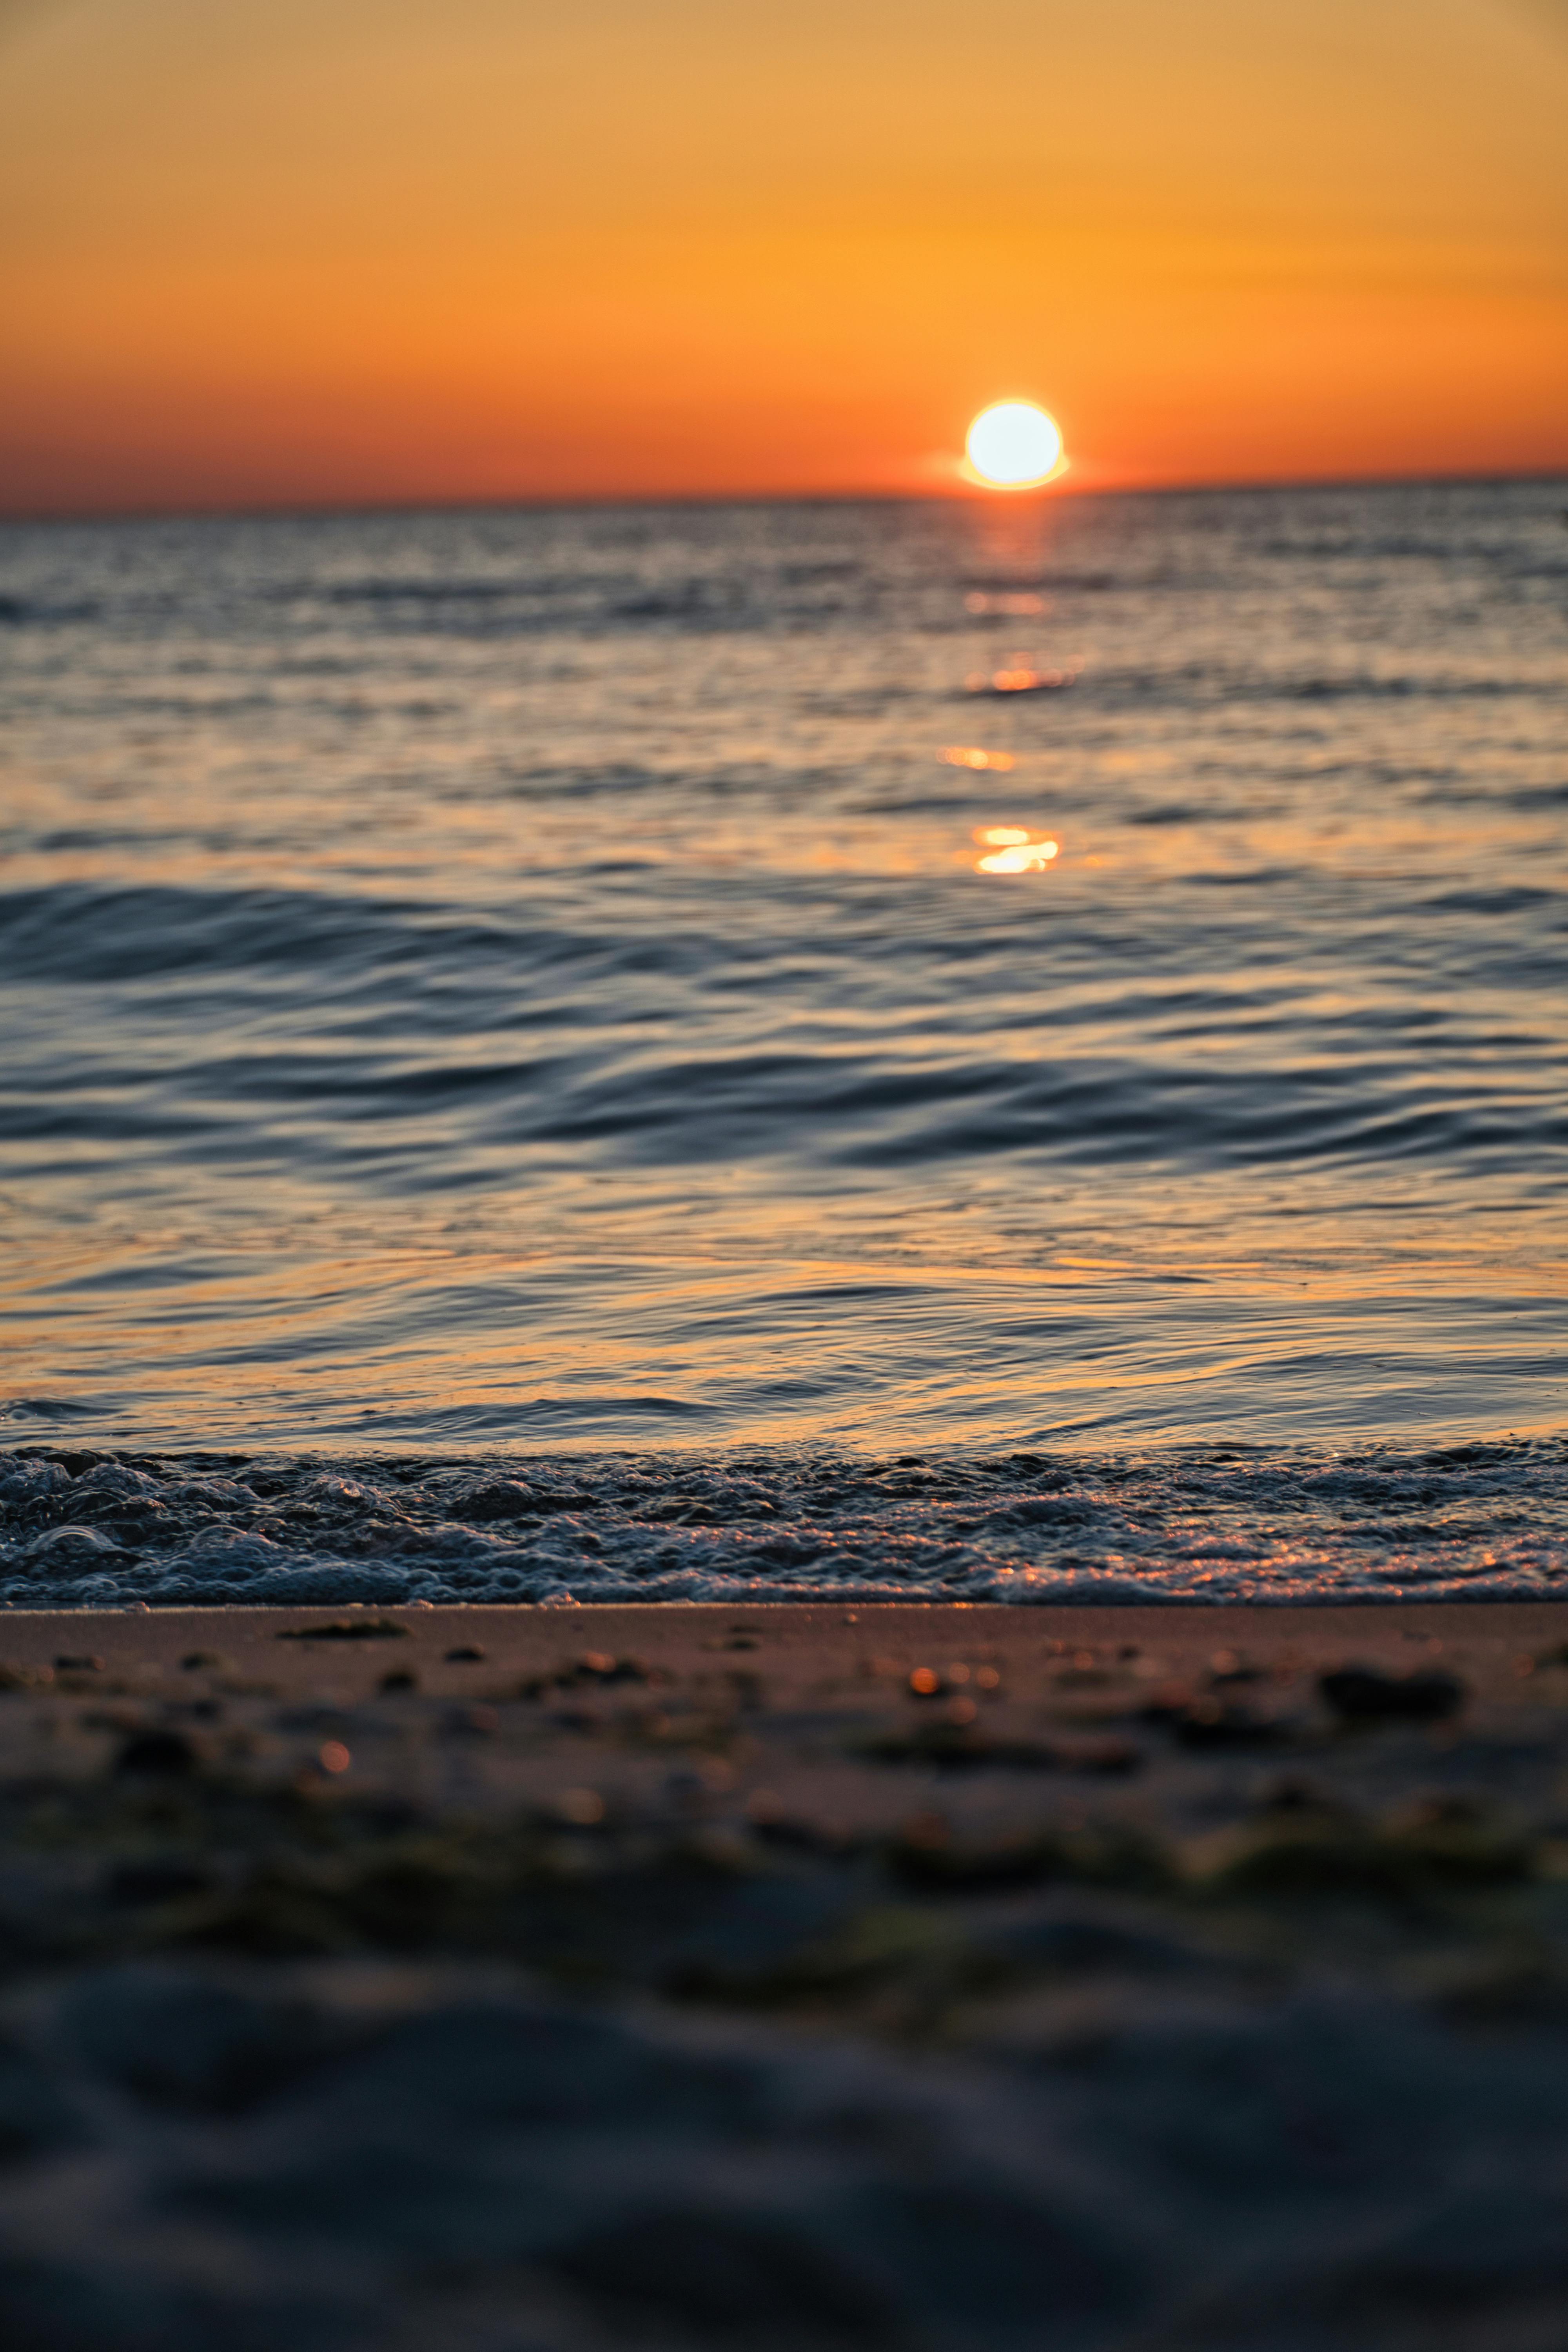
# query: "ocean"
977,1049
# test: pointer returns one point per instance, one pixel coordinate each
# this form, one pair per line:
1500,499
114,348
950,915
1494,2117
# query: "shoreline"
1197,1527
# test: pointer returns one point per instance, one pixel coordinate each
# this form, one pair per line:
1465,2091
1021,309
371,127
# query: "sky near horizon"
291,252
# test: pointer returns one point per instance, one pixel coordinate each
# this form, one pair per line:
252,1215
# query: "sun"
1014,445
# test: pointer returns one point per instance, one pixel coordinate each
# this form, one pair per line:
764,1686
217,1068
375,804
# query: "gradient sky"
286,252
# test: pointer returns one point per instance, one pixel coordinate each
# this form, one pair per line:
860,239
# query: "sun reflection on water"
1013,849
1022,674
993,600
969,755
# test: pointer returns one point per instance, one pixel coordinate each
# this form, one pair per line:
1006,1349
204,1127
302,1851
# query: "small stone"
583,1808
1216,1723
156,1756
1362,1695
347,1629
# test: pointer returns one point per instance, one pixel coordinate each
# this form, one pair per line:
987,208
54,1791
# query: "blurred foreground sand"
790,1976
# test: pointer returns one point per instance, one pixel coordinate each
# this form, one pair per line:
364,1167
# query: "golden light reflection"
987,600
1015,849
1020,675
970,755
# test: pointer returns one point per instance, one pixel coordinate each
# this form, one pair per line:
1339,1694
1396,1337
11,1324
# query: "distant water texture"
810,982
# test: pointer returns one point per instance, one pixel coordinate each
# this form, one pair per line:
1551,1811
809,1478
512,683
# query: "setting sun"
1013,445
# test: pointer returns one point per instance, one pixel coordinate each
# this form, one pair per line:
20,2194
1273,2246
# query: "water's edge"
1483,1521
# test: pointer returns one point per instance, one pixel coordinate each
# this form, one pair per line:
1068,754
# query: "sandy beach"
786,1976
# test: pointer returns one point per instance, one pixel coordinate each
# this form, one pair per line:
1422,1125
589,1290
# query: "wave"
620,1036
1478,1522
32,613
596,889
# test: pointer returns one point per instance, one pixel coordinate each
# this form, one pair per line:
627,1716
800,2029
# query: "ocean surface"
994,1048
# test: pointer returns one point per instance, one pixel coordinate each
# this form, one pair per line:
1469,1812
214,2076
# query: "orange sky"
281,252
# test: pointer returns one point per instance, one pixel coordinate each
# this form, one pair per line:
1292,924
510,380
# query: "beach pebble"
156,1756
1362,1695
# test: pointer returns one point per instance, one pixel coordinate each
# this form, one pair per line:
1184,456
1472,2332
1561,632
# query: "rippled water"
529,982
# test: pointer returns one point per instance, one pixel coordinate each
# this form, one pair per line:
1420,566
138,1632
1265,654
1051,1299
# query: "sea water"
992,1047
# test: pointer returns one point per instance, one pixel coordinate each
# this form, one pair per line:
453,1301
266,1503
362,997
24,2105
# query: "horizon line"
287,511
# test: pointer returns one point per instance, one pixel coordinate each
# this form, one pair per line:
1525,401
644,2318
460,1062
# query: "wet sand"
787,1975
848,1723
